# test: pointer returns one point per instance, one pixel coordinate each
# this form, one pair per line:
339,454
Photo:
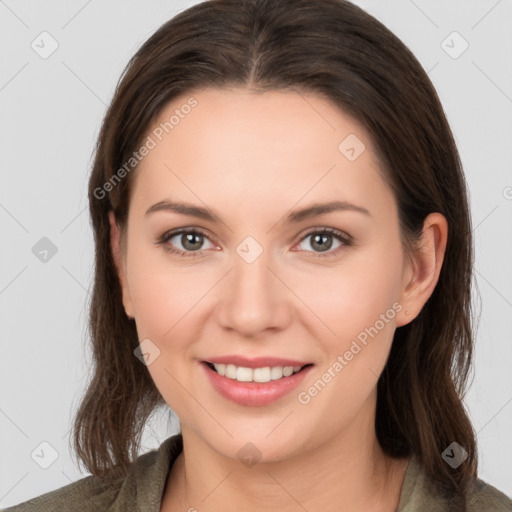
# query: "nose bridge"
253,299
251,278
251,265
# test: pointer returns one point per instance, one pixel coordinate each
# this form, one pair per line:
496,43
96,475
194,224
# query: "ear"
422,270
119,261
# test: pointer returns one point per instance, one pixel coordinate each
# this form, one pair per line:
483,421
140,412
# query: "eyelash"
342,237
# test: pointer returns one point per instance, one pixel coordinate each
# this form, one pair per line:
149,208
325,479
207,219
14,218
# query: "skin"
253,158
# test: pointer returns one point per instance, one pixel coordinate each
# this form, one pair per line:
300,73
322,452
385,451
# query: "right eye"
190,239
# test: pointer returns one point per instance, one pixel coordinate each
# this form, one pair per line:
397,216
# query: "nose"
253,299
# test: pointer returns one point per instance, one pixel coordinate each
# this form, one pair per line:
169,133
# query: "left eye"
322,241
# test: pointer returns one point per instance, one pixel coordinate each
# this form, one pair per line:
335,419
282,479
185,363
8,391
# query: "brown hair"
335,49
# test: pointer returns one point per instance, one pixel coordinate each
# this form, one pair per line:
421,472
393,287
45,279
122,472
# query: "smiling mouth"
261,375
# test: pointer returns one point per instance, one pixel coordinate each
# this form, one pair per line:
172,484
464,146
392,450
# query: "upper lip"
256,362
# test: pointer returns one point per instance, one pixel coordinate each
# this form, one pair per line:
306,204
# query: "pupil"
323,238
189,239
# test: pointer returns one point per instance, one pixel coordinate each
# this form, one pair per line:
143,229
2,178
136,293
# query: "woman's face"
259,280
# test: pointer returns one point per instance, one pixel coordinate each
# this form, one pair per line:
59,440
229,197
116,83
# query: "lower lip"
254,394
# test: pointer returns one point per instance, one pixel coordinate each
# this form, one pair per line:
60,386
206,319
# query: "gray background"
51,113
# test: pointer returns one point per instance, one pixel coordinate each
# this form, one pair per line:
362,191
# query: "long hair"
334,49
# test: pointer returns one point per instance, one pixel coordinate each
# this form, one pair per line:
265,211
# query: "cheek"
351,297
165,300
357,306
162,293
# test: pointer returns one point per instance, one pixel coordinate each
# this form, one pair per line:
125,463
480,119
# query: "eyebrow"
295,216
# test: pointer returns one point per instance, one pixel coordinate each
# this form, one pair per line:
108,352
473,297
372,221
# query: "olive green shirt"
142,489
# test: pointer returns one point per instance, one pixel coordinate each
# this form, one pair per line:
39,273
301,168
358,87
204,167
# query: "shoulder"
145,481
484,497
419,493
87,495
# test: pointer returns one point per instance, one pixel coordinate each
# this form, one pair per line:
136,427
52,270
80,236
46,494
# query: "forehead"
274,147
287,124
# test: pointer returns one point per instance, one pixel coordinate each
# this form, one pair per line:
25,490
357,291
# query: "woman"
283,258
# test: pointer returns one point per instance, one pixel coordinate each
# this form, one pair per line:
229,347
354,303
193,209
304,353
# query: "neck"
349,470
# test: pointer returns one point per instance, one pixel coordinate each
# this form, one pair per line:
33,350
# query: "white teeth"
266,374
261,374
276,372
287,371
230,371
221,369
244,374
